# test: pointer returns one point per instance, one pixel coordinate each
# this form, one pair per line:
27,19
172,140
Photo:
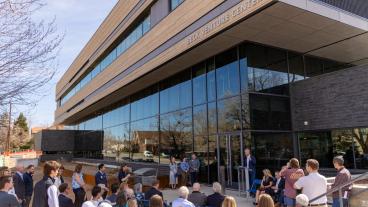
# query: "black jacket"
40,192
28,182
65,201
197,198
215,200
151,192
19,187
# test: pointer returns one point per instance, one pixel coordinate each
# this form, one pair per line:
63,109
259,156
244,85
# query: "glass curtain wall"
243,90
352,144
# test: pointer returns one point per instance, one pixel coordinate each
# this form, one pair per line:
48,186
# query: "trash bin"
146,176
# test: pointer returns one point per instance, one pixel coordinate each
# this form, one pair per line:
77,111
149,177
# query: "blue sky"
78,19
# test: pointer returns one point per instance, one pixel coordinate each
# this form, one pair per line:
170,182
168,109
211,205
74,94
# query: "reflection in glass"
229,114
201,150
117,116
212,118
316,145
94,123
245,115
176,135
227,74
212,159
268,69
361,147
199,84
144,140
200,119
296,67
116,142
176,92
269,112
273,150
144,104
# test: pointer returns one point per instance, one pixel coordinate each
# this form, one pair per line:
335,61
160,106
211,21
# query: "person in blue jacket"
101,178
250,163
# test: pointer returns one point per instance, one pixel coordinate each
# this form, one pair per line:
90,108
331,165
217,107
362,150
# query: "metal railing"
340,187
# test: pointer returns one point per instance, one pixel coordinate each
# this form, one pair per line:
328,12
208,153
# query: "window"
269,112
227,74
267,69
144,104
175,3
144,138
176,135
229,114
200,119
116,142
130,39
199,84
176,92
296,67
272,150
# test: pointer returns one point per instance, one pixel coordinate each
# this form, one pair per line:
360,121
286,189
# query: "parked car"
147,153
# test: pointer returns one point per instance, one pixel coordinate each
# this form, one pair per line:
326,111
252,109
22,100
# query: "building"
171,77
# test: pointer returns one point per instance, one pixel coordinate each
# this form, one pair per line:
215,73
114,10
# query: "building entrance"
229,152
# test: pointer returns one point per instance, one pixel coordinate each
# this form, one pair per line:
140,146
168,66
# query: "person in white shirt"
182,201
314,184
96,197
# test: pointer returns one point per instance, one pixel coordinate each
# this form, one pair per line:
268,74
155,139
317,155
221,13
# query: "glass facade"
236,99
175,3
133,36
352,144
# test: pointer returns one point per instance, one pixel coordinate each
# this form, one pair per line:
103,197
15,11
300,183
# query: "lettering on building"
224,18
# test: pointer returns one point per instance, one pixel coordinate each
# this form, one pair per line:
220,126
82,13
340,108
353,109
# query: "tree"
4,122
27,51
21,122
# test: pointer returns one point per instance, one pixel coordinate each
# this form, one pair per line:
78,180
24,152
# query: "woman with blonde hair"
266,185
265,200
229,201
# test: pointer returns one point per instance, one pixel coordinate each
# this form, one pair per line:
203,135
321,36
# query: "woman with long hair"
266,184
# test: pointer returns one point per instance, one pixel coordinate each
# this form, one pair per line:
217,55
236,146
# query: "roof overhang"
303,26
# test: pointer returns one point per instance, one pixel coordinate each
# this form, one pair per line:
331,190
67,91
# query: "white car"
147,153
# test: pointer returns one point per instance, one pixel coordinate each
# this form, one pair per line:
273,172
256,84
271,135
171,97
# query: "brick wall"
333,100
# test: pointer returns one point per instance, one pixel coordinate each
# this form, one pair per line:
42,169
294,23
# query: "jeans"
80,195
336,202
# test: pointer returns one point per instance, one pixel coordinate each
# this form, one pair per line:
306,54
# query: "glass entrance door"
229,152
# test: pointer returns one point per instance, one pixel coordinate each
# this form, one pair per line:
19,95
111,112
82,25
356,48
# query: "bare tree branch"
28,51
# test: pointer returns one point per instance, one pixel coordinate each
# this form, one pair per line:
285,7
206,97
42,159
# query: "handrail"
339,187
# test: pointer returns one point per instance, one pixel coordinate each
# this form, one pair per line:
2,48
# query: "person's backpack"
40,198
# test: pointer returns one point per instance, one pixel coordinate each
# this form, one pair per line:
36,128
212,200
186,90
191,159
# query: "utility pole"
7,146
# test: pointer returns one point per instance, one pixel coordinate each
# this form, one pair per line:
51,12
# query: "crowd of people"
290,186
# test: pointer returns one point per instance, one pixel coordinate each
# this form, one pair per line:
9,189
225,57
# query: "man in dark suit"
250,163
153,191
215,199
19,186
64,200
101,178
28,182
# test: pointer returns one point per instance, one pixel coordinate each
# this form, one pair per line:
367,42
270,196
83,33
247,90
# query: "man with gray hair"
196,197
343,176
19,185
216,199
182,201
